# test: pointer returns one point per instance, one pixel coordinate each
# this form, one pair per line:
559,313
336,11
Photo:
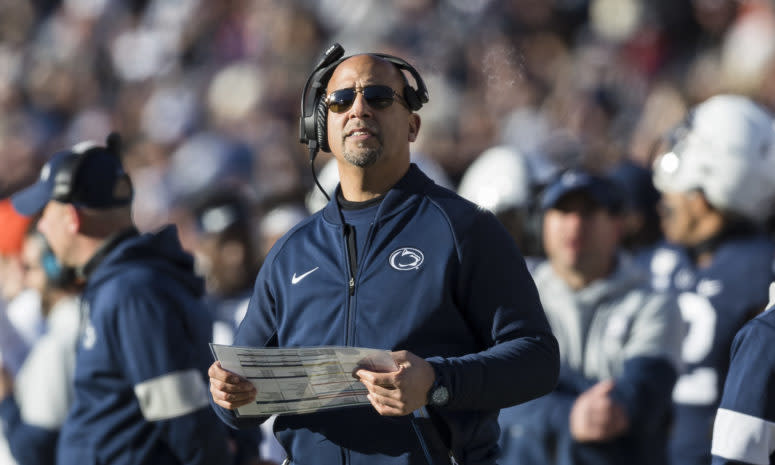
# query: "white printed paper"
302,379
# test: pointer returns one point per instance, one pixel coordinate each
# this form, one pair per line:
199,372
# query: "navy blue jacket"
438,277
716,301
140,377
745,421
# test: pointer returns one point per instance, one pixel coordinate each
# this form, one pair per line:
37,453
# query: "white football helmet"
726,149
497,180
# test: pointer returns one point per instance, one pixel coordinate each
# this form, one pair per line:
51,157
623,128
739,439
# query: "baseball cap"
601,190
86,175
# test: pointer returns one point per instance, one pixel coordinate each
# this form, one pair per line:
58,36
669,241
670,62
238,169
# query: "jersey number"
700,385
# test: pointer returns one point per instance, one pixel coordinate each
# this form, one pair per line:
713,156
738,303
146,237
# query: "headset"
314,110
65,178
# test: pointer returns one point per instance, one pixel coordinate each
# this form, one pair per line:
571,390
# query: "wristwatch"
438,394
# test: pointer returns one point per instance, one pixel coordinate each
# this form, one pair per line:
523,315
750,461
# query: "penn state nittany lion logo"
406,258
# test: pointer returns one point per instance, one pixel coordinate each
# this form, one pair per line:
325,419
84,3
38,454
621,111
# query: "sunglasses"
378,97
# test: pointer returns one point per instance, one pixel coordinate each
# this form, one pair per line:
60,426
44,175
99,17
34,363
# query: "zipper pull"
452,460
352,286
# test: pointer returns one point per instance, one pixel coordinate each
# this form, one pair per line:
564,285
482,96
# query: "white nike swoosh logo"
295,279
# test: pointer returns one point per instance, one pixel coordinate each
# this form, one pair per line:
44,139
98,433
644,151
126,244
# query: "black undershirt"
358,218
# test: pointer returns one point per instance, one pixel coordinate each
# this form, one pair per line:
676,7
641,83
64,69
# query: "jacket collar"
403,194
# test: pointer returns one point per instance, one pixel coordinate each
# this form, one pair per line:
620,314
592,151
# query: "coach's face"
369,132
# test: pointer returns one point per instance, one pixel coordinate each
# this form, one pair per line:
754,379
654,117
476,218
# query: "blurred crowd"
205,91
206,96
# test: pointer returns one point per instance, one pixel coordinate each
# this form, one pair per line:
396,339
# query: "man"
745,420
33,412
618,339
395,262
140,394
718,187
225,255
224,248
500,181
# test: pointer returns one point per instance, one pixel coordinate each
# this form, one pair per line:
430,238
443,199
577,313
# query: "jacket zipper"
351,256
349,249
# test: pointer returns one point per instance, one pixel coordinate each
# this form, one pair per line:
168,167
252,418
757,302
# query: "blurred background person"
20,324
745,412
619,340
718,188
278,221
226,254
641,229
138,398
13,346
499,180
35,402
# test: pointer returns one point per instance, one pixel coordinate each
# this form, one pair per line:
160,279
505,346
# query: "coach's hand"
399,392
229,390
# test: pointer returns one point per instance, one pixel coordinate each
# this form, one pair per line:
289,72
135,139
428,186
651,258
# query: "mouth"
359,133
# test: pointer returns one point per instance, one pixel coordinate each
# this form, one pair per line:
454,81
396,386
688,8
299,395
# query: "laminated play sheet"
302,379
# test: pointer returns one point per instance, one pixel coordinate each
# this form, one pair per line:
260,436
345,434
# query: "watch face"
440,396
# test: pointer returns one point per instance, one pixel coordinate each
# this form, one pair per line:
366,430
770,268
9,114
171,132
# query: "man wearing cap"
140,395
619,341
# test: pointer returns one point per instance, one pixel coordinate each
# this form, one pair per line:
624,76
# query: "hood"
161,251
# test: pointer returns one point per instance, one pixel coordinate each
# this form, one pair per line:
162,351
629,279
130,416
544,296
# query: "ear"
699,204
414,126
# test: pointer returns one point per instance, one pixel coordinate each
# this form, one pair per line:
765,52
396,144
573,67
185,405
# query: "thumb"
604,387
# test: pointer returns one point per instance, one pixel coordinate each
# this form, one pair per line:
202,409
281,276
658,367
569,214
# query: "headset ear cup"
321,127
411,98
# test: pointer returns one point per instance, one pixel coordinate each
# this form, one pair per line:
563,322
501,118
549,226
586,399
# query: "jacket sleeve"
258,329
745,422
497,295
649,372
30,445
170,385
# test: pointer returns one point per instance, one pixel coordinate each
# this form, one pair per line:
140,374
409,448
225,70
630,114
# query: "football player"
718,185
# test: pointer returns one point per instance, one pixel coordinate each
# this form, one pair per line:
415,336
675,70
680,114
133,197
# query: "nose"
360,106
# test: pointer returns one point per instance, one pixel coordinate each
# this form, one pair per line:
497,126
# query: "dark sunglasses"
378,97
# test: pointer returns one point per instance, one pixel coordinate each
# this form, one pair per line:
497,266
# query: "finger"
385,406
382,391
242,386
231,401
379,379
217,372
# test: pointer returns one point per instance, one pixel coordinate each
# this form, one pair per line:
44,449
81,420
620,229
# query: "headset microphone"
308,107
